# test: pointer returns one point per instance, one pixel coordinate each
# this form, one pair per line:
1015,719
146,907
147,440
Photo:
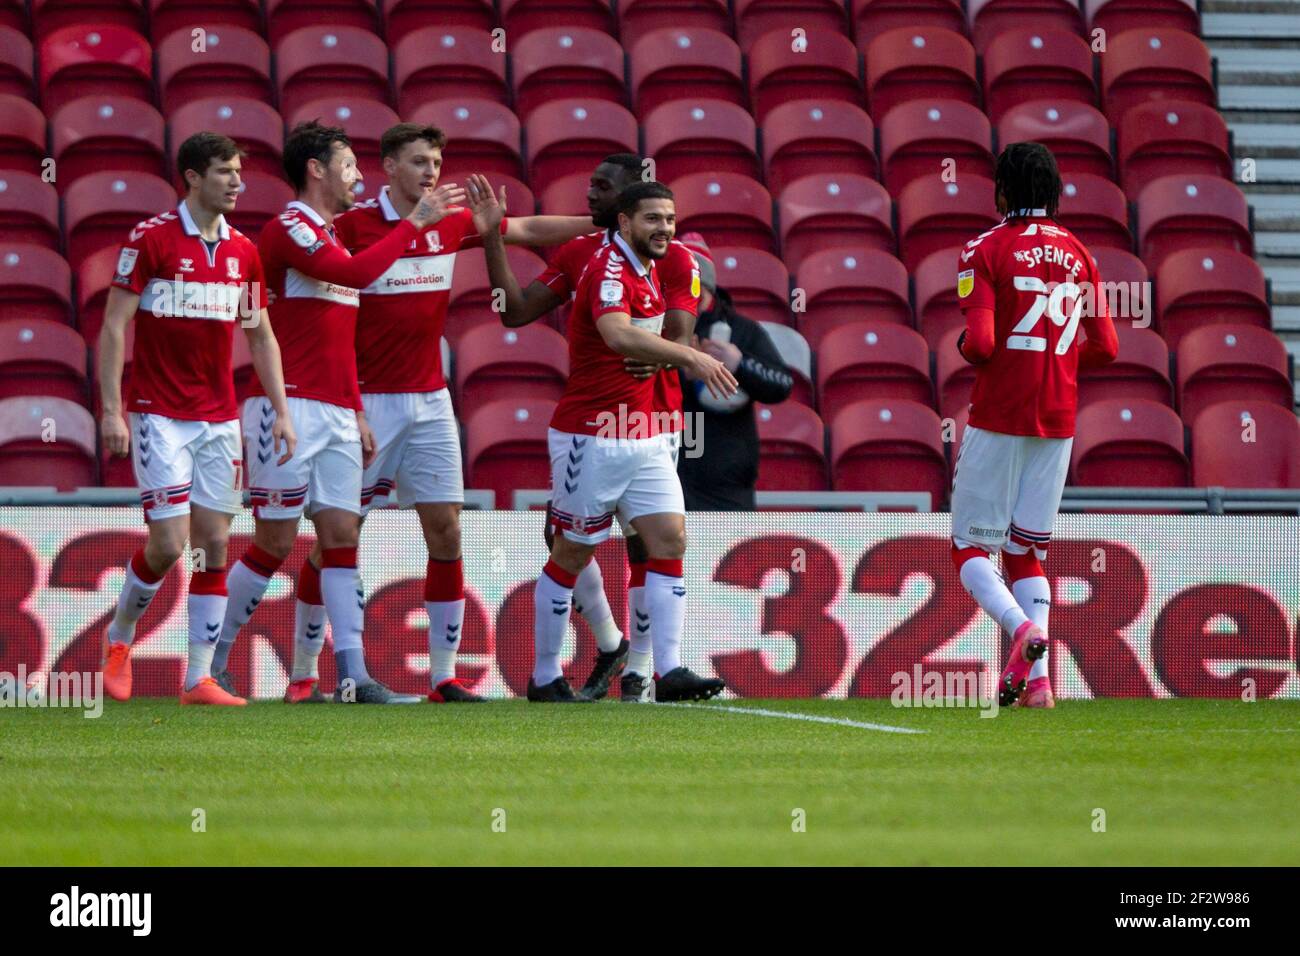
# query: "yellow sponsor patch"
695,283
965,283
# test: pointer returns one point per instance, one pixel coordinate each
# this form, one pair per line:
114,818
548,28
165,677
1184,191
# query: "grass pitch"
1179,781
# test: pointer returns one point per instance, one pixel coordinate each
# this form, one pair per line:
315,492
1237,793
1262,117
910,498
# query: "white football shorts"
325,470
178,461
417,450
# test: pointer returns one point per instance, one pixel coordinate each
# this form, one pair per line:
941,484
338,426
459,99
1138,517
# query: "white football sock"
345,607
205,615
552,603
245,587
985,585
446,619
133,600
308,639
639,652
1034,595
665,598
590,601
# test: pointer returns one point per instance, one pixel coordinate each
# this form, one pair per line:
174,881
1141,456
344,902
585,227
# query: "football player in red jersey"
679,273
185,277
1024,287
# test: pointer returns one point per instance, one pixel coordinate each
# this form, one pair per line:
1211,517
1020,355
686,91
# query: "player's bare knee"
336,528
441,526
666,543
276,537
571,555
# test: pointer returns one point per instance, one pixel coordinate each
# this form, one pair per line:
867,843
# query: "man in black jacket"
719,473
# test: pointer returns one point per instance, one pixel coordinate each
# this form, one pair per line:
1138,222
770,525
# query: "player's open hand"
282,431
714,374
640,370
367,441
487,209
435,204
117,437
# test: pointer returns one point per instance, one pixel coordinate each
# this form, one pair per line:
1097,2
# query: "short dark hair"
394,138
306,141
630,163
1028,178
199,150
631,197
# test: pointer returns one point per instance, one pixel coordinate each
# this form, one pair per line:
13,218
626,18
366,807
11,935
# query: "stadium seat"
847,286
1116,16
636,18
260,198
919,62
791,448
889,445
51,15
573,135
22,135
843,211
256,127
563,63
954,376
1191,212
730,210
435,63
1203,287
520,17
494,363
104,60
1095,210
1140,370
1127,286
991,19
520,200
1077,134
40,357
89,129
687,135
937,306
1232,363
236,63
820,136
101,209
797,355
819,64
93,278
27,458
1163,138
756,19
283,17
925,137
16,64
349,62
365,122
874,17
1128,443
566,196
934,215
1036,63
506,447
13,15
168,16
872,360
685,63
758,282
1116,265
1147,64
471,291
29,209
404,17
35,284
486,135
1246,444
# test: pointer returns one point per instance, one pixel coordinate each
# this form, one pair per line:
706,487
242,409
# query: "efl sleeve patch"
303,235
126,263
611,292
965,283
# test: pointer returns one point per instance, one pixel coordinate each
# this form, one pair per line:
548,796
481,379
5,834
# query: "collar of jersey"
307,211
386,206
631,256
1032,213
192,229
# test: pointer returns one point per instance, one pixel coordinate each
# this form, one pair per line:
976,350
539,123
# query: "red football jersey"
314,295
404,311
191,297
1039,281
600,396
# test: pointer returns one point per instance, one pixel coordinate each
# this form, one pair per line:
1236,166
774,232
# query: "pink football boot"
1027,646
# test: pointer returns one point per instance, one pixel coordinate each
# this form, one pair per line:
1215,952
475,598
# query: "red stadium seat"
520,200
236,63
1094,209
283,17
506,447
1127,286
260,198
256,127
101,209
403,17
51,15
819,64
29,209
105,60
13,15
168,16
471,290
1141,370
925,137
572,136
821,136
1191,212
1035,63
636,18
1128,443
1148,64
35,284
954,376
495,363
16,63
434,63
365,122
730,210
758,283
87,130
934,215
756,19
1201,287
1116,16
685,63
40,357
874,17
848,286
797,355
872,360
520,17
686,135
1246,444
919,62
28,458
1077,134
566,196
937,307
565,62
1163,138
1232,363
485,134
349,62
889,445
791,448
991,19
820,212
22,135
93,278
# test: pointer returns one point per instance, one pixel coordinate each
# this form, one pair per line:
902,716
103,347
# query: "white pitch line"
814,718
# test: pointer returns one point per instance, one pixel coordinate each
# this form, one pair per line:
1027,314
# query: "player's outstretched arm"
521,306
265,350
626,339
118,311
546,230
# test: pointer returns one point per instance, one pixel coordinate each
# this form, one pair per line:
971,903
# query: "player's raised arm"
522,306
545,230
118,311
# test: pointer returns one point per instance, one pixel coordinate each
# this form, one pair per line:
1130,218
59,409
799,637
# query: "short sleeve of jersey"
682,281
469,237
609,295
975,282
558,275
135,263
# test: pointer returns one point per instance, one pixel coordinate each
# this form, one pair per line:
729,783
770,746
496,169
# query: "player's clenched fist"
117,437
713,373
435,203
